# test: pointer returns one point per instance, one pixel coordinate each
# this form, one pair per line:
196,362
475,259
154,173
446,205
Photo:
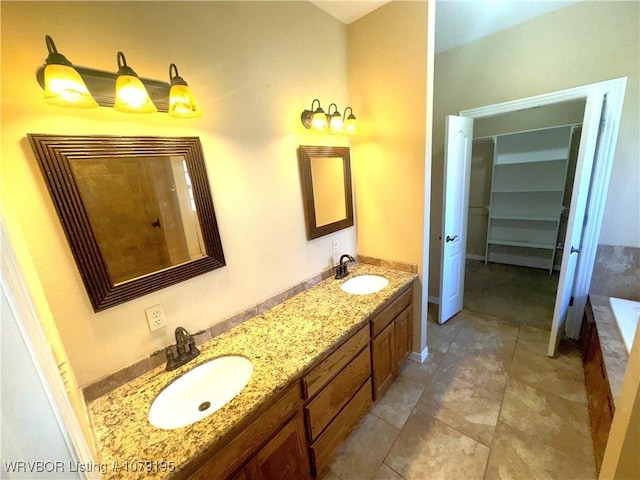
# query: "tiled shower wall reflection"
616,272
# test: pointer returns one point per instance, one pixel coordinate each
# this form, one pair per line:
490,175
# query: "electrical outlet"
156,317
335,246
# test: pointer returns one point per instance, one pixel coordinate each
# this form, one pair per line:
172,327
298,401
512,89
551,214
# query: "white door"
457,169
575,225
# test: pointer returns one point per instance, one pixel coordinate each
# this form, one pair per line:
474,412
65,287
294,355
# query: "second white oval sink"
200,392
364,284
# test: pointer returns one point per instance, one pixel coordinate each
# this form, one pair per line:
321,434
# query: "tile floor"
487,404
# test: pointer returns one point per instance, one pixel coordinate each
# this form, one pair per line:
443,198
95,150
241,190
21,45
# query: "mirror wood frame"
54,154
306,153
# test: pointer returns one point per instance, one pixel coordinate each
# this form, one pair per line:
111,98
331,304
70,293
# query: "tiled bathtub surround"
114,380
614,352
616,272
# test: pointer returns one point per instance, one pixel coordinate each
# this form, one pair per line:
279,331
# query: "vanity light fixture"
335,120
350,125
63,85
182,103
331,122
131,96
70,85
315,120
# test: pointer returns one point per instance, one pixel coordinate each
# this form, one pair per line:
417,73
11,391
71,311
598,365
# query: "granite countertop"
282,343
614,352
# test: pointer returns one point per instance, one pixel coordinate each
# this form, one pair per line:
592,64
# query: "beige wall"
254,67
387,54
585,43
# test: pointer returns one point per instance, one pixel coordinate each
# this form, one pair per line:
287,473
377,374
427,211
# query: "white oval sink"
364,284
200,392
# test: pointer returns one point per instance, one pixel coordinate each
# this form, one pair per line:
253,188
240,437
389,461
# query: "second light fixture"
332,122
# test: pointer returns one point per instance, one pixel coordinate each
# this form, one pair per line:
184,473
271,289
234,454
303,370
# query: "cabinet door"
403,332
284,456
383,360
240,475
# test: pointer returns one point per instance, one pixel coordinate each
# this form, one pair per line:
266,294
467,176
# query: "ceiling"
457,22
348,11
461,22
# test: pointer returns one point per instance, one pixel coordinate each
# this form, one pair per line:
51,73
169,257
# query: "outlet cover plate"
156,317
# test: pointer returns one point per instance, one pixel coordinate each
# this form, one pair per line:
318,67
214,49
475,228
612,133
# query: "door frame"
614,91
12,282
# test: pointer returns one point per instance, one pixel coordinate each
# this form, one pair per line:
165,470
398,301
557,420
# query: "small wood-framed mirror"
326,189
136,211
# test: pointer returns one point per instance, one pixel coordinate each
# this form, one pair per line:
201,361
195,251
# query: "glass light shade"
131,96
336,124
182,103
63,86
319,122
350,126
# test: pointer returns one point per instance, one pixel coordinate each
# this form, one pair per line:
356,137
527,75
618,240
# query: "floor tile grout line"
393,470
551,447
504,394
509,379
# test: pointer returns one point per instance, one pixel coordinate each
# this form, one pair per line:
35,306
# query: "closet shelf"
527,162
528,190
555,218
513,243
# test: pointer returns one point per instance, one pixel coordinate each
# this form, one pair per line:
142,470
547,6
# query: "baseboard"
471,256
435,300
419,357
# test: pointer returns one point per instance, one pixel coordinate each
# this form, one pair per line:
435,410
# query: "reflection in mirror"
142,213
137,211
327,175
326,186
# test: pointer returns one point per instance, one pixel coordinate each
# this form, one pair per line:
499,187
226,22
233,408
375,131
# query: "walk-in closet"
522,171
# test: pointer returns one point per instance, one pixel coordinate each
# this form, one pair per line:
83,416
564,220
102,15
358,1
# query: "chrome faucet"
341,268
183,351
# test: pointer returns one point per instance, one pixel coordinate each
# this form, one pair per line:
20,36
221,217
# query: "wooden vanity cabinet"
273,443
384,366
285,456
600,400
337,395
298,434
392,341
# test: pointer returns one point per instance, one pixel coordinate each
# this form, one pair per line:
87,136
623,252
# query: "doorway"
592,177
514,253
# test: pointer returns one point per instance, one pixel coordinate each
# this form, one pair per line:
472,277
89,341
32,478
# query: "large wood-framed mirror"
137,211
326,189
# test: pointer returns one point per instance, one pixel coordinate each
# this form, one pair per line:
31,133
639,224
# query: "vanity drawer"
323,449
329,368
384,318
340,390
